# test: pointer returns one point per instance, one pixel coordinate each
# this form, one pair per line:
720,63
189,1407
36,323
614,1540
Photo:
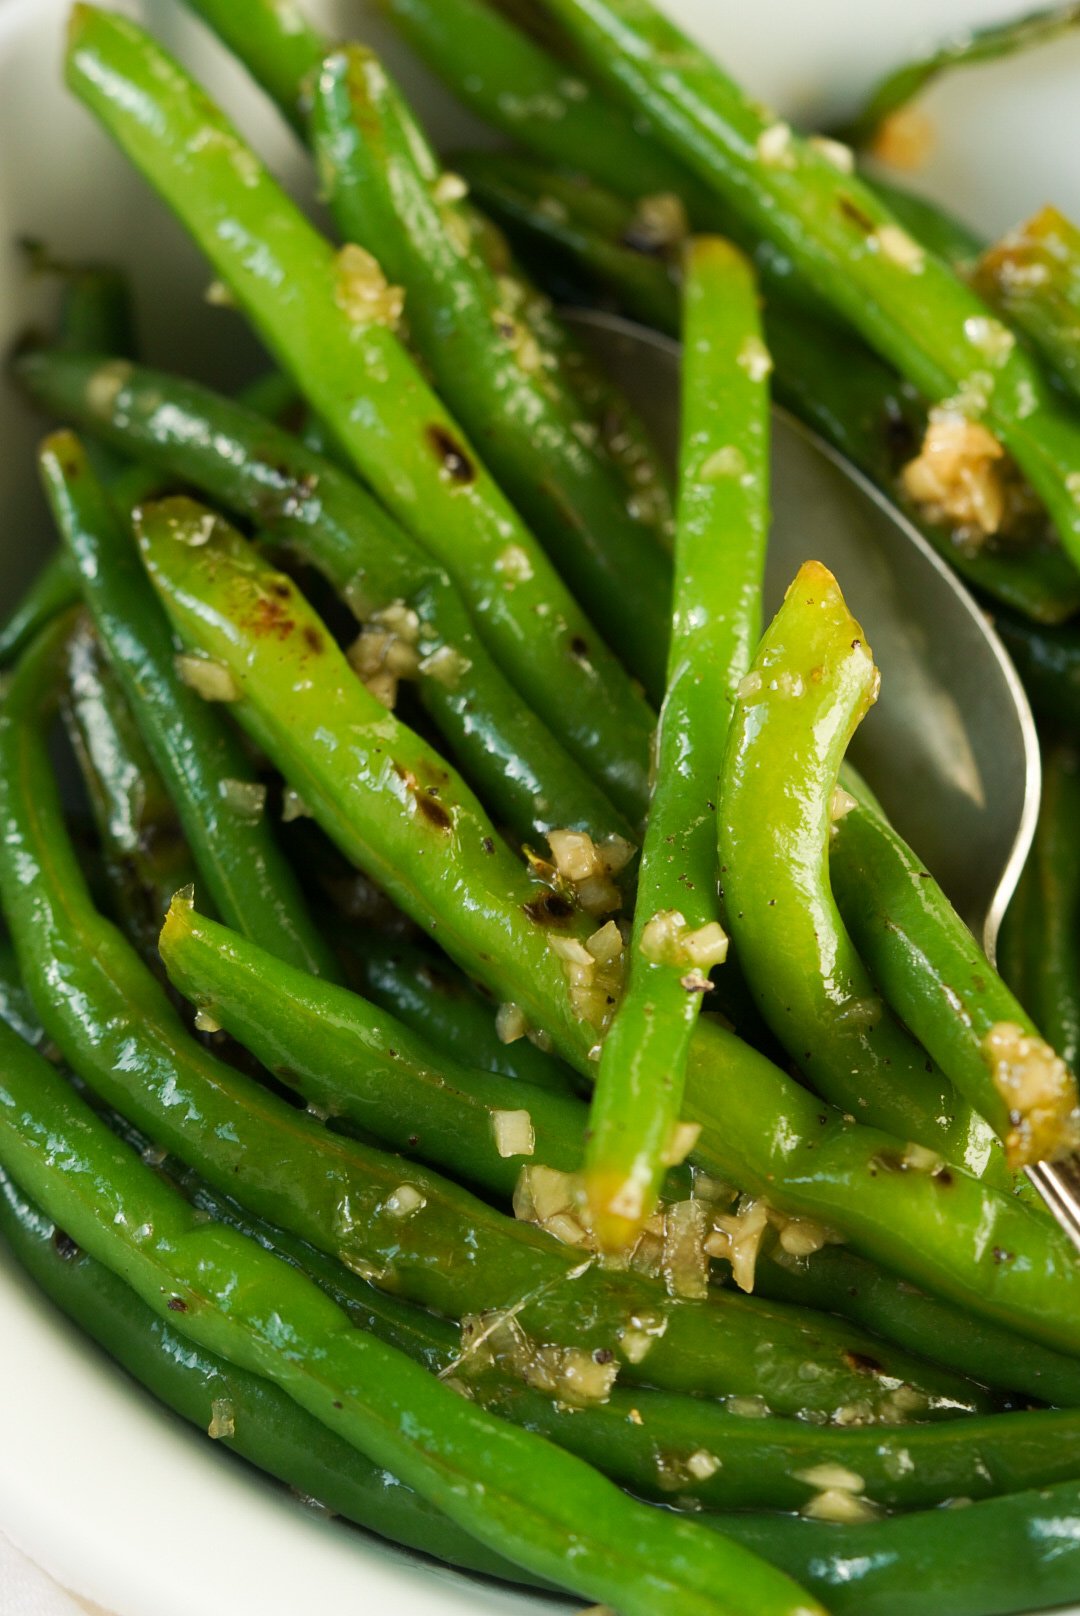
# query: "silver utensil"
950,748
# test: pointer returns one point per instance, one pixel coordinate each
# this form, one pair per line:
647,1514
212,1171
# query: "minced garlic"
1038,1089
958,475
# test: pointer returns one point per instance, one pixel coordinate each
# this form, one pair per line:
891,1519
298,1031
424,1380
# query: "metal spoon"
950,749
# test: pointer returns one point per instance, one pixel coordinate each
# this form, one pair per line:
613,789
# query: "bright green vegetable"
824,374
993,1559
966,48
513,1492
719,573
247,1414
328,319
349,1059
1054,945
843,241
812,681
1033,277
384,185
55,588
145,855
218,798
761,1130
434,999
301,501
930,969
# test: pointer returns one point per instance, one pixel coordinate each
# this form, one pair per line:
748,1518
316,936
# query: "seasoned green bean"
812,681
218,798
301,501
935,976
328,318
719,573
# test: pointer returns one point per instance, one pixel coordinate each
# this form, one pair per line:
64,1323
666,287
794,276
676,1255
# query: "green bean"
812,682
405,1226
937,979
219,803
719,574
97,313
1031,277
761,1130
996,1558
512,82
266,40
1055,864
145,854
246,1413
318,512
55,588
349,1059
656,1456
321,314
843,240
836,1280
277,43
825,375
382,181
516,1494
966,48
646,288
433,998
943,233
16,1009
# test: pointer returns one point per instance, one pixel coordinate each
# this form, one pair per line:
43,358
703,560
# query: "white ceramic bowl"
121,1502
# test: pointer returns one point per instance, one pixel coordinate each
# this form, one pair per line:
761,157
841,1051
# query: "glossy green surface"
1032,276
142,845
761,1130
517,1495
55,588
938,980
1053,943
245,872
383,181
997,1558
812,682
966,48
270,1431
843,241
307,303
720,543
825,375
837,1281
350,1059
301,501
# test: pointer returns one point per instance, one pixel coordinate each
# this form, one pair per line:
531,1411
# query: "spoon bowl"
950,749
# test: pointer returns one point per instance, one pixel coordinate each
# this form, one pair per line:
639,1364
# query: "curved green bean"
1030,276
211,780
299,500
812,681
245,1412
349,1059
514,1493
143,847
383,184
932,972
55,588
966,48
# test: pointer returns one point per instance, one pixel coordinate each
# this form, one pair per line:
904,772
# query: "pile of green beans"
588,1146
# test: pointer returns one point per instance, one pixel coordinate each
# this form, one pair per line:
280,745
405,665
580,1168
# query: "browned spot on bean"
452,455
433,811
176,1304
64,1245
863,1363
549,909
488,845
852,212
579,648
944,1177
269,618
312,638
278,587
